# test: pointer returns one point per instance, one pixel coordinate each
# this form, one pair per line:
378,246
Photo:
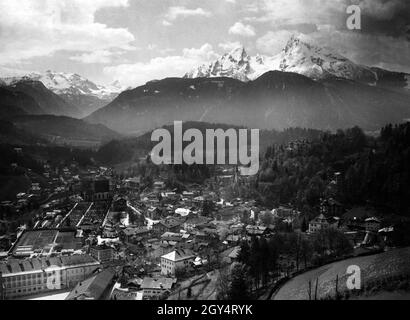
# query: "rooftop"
93,287
158,283
179,255
40,264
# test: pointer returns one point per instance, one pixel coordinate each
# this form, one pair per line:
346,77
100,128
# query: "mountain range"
304,86
30,112
83,95
276,100
302,57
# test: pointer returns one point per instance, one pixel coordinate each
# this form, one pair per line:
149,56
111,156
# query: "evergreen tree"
239,288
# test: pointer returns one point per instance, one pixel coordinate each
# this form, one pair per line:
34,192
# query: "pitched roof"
171,223
235,252
93,287
158,283
320,218
197,220
40,264
179,255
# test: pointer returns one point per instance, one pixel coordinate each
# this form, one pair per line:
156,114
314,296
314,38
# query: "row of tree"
263,260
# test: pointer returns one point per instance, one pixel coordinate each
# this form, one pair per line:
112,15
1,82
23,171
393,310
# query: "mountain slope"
10,134
17,103
49,102
161,102
64,130
302,57
76,90
133,148
276,100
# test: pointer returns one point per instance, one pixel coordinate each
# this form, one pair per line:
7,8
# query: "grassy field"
373,268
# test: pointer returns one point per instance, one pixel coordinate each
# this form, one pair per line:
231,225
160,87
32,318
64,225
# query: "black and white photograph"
220,152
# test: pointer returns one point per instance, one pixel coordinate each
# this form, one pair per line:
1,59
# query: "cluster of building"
105,237
362,228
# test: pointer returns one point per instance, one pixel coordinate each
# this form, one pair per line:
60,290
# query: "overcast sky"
135,41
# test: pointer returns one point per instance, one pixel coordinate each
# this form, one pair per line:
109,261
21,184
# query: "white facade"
35,276
177,260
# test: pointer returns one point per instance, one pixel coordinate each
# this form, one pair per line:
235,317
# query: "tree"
255,261
304,226
244,253
207,208
239,288
267,218
274,251
264,261
223,284
331,241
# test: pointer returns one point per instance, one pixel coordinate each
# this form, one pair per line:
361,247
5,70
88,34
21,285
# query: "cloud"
204,53
382,9
273,42
297,11
166,51
161,67
36,28
390,17
180,11
386,17
242,30
229,46
382,41
100,56
166,23
11,72
368,49
152,47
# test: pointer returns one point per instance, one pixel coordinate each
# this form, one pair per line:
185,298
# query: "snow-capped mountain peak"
236,64
238,54
73,88
301,56
67,84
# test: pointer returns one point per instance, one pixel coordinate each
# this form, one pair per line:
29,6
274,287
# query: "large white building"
178,260
39,275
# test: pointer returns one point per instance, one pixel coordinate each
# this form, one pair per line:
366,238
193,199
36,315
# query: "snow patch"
67,84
